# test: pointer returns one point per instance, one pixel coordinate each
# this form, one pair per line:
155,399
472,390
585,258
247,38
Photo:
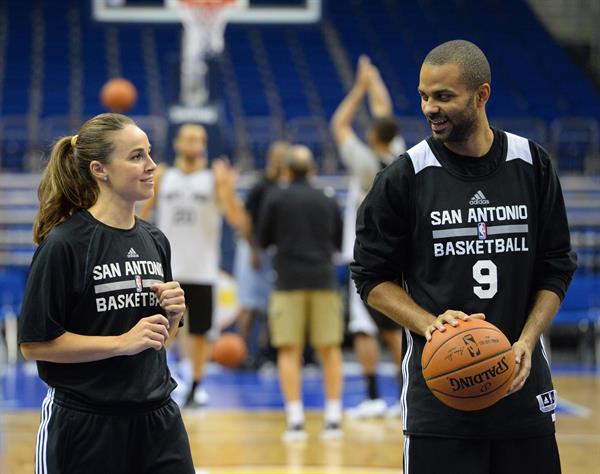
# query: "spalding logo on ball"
469,366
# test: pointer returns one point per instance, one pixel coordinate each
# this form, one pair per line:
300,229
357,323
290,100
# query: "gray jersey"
363,164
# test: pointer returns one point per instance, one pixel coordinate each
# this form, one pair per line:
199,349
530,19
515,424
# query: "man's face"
191,142
447,103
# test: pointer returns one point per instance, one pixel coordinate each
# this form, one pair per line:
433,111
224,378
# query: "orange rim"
208,4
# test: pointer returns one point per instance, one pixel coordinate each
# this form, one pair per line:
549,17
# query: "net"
204,23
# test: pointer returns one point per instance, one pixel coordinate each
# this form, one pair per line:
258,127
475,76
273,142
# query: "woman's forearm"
72,348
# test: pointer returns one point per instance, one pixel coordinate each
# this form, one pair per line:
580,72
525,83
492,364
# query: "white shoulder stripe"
518,148
422,157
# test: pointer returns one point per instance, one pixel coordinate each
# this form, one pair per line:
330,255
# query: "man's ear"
483,94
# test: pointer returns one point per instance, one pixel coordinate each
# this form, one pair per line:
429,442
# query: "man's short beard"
461,133
463,126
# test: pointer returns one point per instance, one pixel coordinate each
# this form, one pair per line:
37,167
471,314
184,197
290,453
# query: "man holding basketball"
469,223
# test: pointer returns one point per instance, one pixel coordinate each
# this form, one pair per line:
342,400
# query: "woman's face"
131,169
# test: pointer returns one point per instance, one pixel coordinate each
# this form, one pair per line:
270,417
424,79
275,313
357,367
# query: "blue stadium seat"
533,77
581,309
12,285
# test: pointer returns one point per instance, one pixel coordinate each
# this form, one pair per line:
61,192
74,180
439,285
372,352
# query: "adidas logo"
479,198
132,253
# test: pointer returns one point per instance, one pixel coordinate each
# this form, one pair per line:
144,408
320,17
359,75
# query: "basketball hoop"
204,23
207,20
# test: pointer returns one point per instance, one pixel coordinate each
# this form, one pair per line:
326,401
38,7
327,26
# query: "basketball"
469,366
118,95
229,350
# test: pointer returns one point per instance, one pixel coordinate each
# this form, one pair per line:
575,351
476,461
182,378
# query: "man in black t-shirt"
305,226
469,223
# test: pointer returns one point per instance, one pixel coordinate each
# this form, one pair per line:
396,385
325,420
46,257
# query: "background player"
253,267
98,309
364,160
516,273
190,200
304,225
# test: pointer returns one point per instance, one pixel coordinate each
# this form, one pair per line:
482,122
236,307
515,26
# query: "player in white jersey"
191,199
363,161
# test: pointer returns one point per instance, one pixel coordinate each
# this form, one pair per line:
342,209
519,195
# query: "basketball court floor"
240,431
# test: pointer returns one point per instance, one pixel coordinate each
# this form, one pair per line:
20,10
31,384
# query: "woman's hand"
171,298
151,332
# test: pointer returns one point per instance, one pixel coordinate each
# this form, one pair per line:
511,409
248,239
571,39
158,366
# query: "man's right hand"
450,317
151,332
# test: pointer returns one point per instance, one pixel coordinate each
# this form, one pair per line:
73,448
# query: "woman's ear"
98,171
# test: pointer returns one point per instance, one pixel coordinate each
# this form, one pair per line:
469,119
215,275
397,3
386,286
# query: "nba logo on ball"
138,283
482,231
471,344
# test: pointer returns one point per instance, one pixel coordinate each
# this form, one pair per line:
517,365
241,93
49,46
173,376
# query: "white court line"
574,409
299,470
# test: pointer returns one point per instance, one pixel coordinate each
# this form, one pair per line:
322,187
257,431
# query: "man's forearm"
545,306
391,299
232,208
348,108
380,102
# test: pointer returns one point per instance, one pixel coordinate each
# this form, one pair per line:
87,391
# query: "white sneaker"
201,396
332,431
294,434
395,411
368,409
180,392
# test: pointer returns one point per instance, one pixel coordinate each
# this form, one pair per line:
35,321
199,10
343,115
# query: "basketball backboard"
159,11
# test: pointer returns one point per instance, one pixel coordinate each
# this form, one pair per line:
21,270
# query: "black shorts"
200,304
75,440
425,455
382,322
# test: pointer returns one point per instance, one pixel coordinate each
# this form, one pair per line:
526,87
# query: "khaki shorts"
294,314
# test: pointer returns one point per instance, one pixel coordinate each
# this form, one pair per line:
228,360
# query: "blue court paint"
20,389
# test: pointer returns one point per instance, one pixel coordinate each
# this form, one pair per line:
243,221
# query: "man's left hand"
523,365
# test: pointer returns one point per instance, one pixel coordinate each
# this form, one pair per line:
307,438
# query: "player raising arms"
364,161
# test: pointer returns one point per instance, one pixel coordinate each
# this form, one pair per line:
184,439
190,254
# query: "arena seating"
57,58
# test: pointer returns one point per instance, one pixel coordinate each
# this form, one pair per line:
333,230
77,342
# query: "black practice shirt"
94,280
305,225
476,235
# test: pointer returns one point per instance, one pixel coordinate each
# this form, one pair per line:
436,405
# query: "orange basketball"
469,366
118,95
229,350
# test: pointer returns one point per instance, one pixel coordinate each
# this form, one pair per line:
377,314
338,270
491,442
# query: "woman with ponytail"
99,307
